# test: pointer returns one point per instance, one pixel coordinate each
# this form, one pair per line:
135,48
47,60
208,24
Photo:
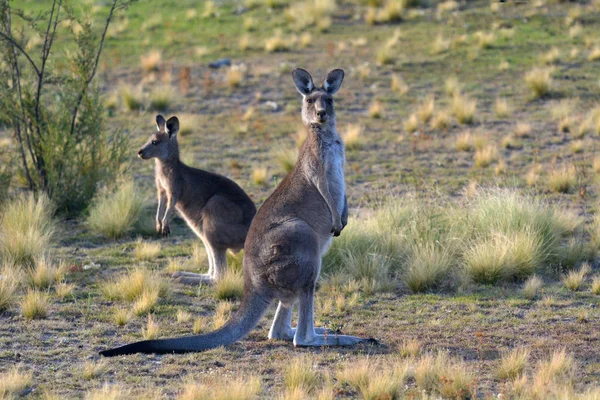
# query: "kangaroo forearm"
324,190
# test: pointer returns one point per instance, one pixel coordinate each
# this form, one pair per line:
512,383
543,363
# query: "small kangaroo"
214,207
287,238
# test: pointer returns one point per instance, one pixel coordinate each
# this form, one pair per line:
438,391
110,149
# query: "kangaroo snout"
140,153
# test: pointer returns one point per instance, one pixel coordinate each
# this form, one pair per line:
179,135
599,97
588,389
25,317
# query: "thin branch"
15,44
91,77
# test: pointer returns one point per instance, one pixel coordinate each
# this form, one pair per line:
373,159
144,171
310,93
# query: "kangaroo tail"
249,314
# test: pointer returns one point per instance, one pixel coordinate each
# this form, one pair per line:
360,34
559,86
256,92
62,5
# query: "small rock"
91,265
271,105
223,62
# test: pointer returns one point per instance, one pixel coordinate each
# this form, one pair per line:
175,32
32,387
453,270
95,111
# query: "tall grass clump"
512,364
114,214
14,382
26,229
139,284
301,374
10,280
539,81
512,235
230,286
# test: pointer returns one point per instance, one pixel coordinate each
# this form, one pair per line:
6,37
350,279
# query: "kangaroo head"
162,144
317,102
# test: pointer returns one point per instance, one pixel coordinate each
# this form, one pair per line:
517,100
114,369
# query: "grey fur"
214,207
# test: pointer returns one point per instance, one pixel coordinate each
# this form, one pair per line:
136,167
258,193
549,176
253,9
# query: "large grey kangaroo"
287,238
214,207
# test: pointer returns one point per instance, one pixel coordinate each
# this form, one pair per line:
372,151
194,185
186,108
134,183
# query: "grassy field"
472,133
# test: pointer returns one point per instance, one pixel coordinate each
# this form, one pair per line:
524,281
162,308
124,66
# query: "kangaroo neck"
323,132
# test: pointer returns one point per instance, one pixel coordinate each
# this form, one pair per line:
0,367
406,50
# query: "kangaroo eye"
154,142
309,101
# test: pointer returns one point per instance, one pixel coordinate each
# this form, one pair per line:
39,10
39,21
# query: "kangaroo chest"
333,155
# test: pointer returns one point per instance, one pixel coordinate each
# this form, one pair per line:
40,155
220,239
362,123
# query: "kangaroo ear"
303,81
160,123
333,81
172,126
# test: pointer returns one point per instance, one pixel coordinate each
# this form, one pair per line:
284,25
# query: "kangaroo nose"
140,153
321,113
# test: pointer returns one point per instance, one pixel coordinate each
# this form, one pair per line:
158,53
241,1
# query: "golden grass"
63,289
376,109
146,302
108,392
551,57
93,369
162,98
201,325
277,43
522,129
438,373
559,367
532,287
146,251
244,42
286,158
183,316
230,286
577,146
464,142
26,228
486,156
596,285
35,304
241,388
440,45
235,75
425,109
374,381
10,280
44,274
150,61
121,316
409,348
300,374
594,54
512,364
440,121
411,124
222,314
502,257
259,176
133,285
426,266
14,382
574,279
115,214
352,137
463,108
485,40
502,108
151,330
562,179
305,40
399,85
539,81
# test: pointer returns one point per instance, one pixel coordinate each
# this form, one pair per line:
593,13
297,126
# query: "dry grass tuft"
574,279
502,108
512,364
230,286
44,274
286,158
464,142
277,43
93,369
300,374
240,388
440,45
201,325
425,109
146,251
121,316
161,98
115,214
146,302
108,392
63,289
559,368
409,348
551,57
235,75
522,130
596,285
412,123
222,314
399,85
14,382
486,156
10,280
562,180
134,285
131,98
352,137
463,108
485,40
151,330
594,54
539,81
35,304
441,121
150,62
26,228
376,109
183,316
426,267
532,287
259,176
